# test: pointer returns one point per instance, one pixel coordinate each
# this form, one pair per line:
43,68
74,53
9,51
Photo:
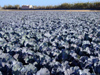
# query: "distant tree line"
88,5
11,7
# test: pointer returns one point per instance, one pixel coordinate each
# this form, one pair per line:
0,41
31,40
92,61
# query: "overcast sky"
40,2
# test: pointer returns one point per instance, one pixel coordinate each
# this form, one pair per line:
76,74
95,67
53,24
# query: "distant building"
26,7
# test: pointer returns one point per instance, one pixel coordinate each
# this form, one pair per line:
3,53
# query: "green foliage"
95,5
16,7
65,6
11,7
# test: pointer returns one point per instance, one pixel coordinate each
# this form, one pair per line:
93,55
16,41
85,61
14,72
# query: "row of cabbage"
49,43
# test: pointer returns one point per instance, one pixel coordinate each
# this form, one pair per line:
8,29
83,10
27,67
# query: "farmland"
49,43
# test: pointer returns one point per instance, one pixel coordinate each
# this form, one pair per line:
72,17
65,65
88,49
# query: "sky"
40,2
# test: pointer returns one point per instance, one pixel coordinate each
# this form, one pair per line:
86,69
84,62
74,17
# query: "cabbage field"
49,43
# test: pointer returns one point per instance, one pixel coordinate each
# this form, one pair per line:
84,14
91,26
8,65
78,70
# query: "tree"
97,5
5,6
49,7
9,7
78,5
16,6
64,6
34,7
